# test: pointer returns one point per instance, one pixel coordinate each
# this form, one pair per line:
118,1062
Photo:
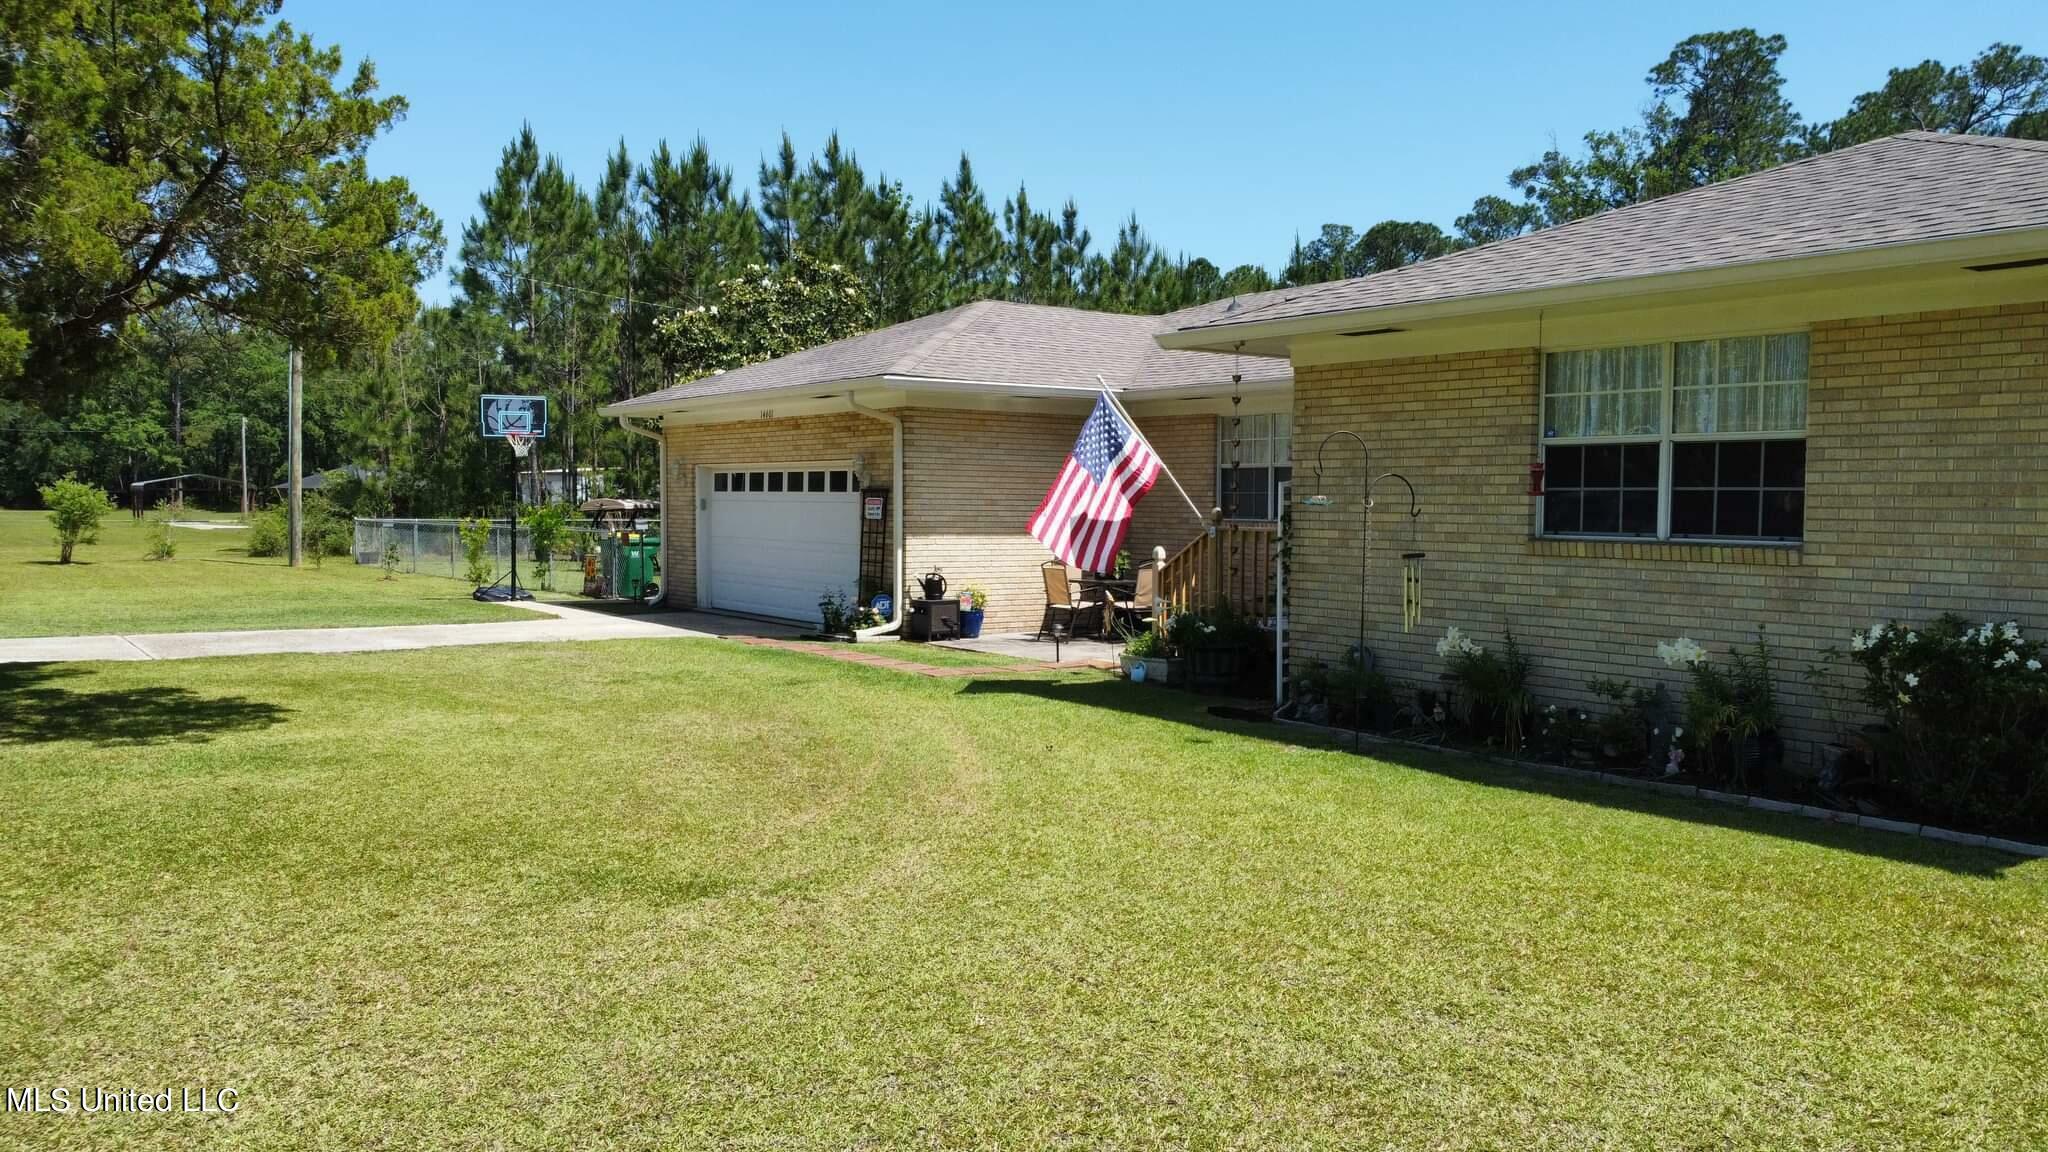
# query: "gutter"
895,518
1223,337
660,484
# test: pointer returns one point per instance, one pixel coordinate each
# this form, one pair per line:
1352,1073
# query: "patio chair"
1136,612
1059,598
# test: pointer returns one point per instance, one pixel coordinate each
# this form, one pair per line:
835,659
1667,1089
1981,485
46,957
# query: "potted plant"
1148,658
973,603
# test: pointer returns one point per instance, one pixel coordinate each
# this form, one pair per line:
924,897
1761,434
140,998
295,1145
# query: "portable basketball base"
519,421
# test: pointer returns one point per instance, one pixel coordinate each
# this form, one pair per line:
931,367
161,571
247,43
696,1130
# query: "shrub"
392,558
1725,709
157,542
476,550
324,531
328,529
76,509
547,531
1623,734
1566,734
267,533
1495,685
1966,715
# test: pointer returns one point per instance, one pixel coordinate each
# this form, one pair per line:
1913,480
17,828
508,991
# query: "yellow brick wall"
972,481
1188,445
830,438
1927,436
976,478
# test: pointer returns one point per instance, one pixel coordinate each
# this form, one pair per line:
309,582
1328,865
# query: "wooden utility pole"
245,467
294,403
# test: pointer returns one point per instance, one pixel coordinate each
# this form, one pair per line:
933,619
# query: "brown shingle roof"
1914,187
992,341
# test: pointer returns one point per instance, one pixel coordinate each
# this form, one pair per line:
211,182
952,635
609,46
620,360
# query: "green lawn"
571,896
211,585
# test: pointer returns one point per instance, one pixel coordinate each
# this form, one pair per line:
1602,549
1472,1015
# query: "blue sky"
1228,128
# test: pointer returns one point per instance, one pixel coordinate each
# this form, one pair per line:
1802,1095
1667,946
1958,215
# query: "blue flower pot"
970,623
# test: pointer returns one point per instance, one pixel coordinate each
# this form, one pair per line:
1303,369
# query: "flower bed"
1960,738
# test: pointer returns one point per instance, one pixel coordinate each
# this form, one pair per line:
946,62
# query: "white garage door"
776,539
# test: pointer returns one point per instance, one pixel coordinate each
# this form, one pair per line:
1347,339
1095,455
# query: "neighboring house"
590,483
1801,401
965,419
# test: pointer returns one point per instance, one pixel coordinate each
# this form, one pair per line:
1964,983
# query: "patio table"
1106,591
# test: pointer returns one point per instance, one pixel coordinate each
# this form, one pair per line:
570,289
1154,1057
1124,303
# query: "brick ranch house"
1801,401
963,419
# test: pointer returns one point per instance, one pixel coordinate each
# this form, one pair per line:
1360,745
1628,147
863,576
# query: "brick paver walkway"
854,654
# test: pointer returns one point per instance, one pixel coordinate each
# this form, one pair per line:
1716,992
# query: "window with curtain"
1263,448
1695,439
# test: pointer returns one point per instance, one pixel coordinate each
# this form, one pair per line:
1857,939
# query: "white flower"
2010,657
1677,732
2033,665
1453,641
1905,699
1912,637
1912,680
1684,652
2011,630
767,283
1984,633
1857,643
1877,632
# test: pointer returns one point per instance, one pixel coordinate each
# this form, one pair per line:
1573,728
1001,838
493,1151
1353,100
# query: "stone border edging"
1734,799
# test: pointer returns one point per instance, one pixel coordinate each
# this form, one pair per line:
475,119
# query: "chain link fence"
434,548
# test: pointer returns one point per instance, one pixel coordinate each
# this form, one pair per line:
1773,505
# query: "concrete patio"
1028,646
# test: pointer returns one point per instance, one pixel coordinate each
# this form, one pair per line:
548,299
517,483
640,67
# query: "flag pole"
1199,514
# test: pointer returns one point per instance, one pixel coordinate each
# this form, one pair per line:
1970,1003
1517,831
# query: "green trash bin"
638,573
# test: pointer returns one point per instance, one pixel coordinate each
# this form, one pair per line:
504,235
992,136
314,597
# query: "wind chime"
1411,571
1236,431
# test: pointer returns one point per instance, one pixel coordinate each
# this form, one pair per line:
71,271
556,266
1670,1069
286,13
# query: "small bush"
476,550
392,559
1725,708
1624,734
1966,720
268,532
1494,686
157,542
324,531
76,509
547,532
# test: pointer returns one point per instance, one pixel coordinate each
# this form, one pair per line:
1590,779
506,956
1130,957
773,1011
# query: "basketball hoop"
521,442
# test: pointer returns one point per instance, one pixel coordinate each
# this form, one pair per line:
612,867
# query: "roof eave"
1990,245
648,407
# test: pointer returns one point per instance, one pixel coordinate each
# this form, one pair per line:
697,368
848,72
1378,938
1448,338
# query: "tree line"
135,335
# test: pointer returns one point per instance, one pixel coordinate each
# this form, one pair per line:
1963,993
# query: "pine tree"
973,242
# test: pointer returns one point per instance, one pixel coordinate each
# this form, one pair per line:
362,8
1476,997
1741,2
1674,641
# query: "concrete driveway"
563,622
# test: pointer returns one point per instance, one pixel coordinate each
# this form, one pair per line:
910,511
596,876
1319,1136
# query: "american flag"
1087,514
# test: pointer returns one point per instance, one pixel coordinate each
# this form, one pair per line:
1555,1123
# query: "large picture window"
1262,447
1698,439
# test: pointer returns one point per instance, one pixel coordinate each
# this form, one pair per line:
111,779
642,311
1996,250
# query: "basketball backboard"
521,415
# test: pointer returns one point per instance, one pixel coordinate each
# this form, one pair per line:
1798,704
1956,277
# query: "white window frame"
1664,440
1272,483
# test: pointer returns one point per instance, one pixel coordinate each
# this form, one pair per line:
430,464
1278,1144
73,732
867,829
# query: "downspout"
895,519
660,488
